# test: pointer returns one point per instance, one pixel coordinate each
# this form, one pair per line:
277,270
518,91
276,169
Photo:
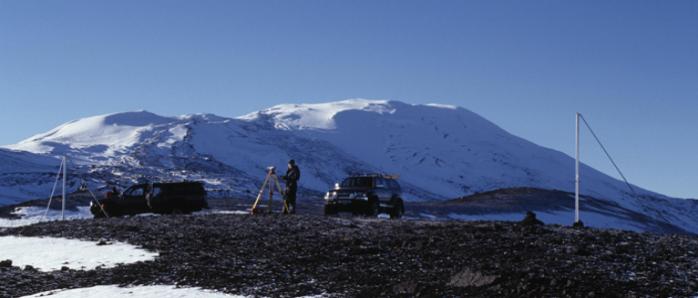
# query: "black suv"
367,195
163,198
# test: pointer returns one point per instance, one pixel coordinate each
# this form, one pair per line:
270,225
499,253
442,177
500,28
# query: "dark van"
162,198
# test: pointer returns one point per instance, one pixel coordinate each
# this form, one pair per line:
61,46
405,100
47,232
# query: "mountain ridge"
441,152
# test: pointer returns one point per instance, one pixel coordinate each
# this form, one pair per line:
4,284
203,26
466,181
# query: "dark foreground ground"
276,255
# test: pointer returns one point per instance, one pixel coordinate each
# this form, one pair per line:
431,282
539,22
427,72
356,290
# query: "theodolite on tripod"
271,181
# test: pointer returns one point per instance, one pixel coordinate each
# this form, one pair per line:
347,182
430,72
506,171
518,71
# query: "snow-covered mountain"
440,152
25,175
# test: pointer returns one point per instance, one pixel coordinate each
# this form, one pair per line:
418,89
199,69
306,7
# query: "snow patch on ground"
136,291
218,211
49,254
487,217
383,216
32,215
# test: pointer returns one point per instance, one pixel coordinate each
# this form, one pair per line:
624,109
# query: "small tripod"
270,180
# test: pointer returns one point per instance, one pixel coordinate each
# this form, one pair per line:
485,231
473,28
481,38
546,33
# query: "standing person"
114,192
293,174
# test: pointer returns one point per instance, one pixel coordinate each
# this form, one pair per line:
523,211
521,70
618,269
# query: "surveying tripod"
271,181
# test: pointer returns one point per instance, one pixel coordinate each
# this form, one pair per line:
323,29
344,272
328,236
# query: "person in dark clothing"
114,192
293,174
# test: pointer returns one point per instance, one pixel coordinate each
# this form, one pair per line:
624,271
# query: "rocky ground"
274,255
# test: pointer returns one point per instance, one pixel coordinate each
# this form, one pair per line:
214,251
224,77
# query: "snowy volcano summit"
440,152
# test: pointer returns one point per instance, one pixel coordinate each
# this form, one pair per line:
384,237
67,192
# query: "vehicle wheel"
98,214
373,208
174,206
330,211
149,202
398,210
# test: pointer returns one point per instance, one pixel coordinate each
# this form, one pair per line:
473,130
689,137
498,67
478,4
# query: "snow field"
49,254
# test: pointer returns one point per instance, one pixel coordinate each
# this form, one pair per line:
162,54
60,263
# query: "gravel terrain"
275,255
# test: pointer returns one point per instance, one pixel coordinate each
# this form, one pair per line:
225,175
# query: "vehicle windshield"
134,191
357,182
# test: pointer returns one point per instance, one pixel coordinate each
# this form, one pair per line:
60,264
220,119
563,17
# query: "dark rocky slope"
522,199
300,255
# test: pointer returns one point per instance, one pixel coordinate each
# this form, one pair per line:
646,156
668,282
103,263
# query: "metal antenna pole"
65,165
53,190
576,179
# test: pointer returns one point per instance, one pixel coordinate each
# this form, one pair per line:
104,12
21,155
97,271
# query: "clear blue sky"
630,66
